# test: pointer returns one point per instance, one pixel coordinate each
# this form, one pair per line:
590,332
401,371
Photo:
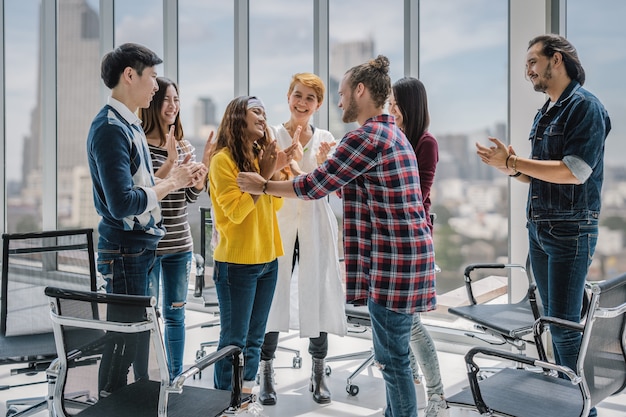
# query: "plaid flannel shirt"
388,248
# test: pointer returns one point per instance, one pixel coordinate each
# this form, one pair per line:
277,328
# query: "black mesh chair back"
33,261
95,378
30,262
603,367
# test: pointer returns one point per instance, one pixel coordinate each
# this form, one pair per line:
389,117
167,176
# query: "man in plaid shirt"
388,248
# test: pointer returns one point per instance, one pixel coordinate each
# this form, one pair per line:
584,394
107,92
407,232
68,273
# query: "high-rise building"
344,56
78,101
204,117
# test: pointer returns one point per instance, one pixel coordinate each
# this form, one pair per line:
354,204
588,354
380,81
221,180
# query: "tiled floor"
294,398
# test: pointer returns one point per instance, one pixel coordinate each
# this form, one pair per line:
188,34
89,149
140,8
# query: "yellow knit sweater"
248,232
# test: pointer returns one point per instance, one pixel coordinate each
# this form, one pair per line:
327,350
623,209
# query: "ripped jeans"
424,356
391,332
174,270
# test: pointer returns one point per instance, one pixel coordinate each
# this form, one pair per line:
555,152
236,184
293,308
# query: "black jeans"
318,346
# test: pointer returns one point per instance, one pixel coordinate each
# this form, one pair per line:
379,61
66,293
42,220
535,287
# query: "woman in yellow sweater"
249,242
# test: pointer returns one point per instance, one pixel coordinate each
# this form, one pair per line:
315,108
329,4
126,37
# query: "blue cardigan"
121,169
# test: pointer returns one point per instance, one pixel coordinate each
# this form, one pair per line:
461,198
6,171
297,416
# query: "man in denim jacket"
565,172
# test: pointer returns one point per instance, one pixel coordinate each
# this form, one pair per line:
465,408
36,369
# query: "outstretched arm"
255,184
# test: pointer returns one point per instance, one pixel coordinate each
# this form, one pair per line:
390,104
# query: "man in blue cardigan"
125,192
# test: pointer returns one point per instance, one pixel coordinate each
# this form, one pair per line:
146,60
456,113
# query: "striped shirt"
389,254
174,206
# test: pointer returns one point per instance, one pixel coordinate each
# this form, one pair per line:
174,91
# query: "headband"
255,102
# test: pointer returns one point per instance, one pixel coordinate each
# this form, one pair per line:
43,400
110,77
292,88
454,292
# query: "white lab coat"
320,296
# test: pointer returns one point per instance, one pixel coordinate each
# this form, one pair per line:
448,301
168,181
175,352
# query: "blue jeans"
174,270
391,332
125,270
424,354
245,295
560,255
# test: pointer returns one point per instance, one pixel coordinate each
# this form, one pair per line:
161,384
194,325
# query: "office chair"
30,262
505,323
101,365
600,369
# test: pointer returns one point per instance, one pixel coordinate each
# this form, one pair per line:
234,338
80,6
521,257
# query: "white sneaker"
420,394
437,407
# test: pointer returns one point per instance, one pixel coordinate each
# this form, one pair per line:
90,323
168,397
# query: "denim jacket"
574,131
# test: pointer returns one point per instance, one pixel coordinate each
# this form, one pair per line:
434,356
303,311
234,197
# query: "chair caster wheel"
327,370
297,362
353,390
12,411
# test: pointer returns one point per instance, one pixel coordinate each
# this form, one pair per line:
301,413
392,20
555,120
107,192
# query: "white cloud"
147,30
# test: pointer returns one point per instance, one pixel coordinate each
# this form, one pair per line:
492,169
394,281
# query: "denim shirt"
572,131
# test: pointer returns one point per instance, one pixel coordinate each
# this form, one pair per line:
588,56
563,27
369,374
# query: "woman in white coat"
309,233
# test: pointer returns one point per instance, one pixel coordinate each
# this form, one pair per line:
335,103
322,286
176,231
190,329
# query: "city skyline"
138,22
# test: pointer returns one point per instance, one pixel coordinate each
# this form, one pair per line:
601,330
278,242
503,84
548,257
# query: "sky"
463,54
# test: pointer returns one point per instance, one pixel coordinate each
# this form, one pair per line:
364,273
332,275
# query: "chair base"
33,406
352,388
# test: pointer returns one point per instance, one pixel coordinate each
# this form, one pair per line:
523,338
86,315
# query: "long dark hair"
411,100
551,44
151,117
231,135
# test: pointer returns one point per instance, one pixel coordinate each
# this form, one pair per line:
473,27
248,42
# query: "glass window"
463,64
23,165
359,31
281,44
353,41
600,49
140,21
78,101
206,78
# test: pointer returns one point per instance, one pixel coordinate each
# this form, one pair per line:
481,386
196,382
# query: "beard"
542,84
351,112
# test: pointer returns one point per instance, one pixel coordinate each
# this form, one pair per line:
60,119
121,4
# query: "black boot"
321,393
267,393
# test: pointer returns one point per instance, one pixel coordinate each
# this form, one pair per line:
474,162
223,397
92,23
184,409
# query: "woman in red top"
409,105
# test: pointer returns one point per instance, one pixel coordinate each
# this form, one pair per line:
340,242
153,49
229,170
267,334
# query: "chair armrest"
472,267
204,362
473,369
532,299
504,354
540,325
210,359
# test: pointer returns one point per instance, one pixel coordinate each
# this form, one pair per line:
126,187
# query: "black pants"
318,346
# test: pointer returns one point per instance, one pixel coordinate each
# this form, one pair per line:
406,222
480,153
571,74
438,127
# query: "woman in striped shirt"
164,132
